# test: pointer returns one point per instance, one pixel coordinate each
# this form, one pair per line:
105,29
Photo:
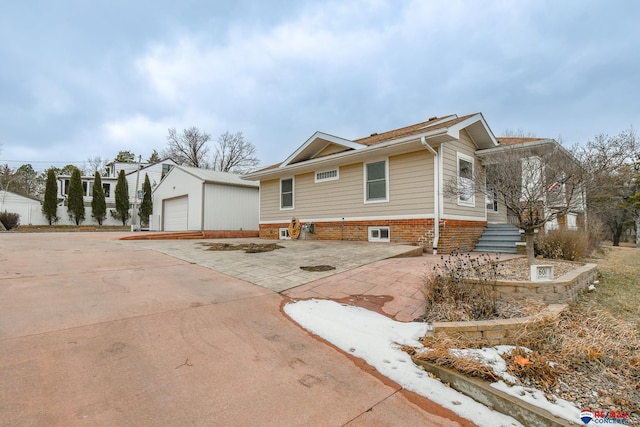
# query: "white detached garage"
193,199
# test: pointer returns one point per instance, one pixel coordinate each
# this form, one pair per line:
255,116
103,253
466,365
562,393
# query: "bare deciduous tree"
188,148
95,164
611,180
536,183
234,154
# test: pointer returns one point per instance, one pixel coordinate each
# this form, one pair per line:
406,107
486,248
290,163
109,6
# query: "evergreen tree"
146,207
154,157
75,201
50,204
122,199
98,203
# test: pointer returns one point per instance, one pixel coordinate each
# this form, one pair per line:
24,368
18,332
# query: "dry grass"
590,354
437,352
619,289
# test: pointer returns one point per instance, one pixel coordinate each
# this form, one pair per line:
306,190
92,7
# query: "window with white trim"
376,181
330,175
466,189
491,198
552,224
572,221
379,234
283,234
286,193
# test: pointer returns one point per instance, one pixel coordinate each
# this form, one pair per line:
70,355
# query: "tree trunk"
617,234
531,255
637,231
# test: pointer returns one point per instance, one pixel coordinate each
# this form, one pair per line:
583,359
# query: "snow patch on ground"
377,339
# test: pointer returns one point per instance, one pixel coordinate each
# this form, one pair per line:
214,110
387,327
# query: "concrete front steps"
499,238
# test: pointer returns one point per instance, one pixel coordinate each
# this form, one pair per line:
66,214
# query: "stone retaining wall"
557,293
494,332
564,289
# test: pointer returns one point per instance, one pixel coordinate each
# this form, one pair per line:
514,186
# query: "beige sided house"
387,187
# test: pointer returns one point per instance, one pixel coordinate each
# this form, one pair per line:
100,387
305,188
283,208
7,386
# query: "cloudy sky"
87,78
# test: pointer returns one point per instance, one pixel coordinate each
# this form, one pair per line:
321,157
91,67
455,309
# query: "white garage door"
176,214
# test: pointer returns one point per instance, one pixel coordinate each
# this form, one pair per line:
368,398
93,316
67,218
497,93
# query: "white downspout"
436,195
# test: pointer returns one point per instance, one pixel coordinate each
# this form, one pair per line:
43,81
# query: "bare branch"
188,148
234,153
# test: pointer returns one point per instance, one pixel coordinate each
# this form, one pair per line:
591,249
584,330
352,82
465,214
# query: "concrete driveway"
98,331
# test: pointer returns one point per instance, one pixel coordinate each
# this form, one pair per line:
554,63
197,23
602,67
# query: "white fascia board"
526,145
454,131
313,163
324,136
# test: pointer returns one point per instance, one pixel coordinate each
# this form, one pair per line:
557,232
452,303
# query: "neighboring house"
385,187
193,199
134,174
30,210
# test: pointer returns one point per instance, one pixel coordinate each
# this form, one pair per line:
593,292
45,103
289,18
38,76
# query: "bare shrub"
530,366
562,244
596,233
462,288
9,220
437,351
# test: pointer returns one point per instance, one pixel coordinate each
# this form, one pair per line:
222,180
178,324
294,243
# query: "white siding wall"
177,185
229,207
450,171
30,212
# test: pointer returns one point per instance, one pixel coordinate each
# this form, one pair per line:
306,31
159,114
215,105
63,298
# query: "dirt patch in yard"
318,268
250,248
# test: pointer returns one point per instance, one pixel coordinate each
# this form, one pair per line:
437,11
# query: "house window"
330,175
107,190
466,189
66,186
532,172
492,201
572,221
283,234
376,182
379,234
552,224
286,193
166,167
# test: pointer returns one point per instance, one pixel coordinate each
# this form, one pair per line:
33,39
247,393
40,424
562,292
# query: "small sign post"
541,273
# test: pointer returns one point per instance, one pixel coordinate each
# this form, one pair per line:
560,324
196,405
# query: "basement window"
283,234
379,234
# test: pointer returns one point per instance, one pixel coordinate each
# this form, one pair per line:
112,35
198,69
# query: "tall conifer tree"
122,199
50,203
75,201
146,207
98,202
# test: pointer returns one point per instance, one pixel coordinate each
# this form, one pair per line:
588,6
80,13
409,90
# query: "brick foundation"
459,235
462,235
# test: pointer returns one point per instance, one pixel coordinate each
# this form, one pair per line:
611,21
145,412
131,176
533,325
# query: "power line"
44,161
